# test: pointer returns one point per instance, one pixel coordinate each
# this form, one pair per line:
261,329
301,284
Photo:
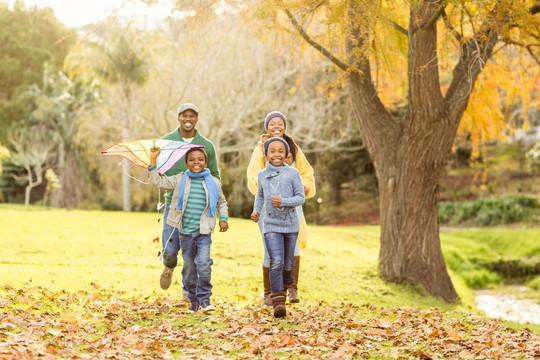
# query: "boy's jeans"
197,270
281,250
170,243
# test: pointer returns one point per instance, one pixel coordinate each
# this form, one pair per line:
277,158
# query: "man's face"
187,120
196,161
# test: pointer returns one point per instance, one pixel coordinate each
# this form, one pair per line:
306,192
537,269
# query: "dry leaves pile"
39,323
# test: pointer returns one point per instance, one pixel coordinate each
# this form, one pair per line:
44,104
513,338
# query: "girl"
279,192
275,124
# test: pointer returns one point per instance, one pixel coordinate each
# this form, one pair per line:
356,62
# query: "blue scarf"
211,185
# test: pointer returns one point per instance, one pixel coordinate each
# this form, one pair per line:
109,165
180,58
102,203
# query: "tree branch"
340,64
400,29
528,47
449,26
436,15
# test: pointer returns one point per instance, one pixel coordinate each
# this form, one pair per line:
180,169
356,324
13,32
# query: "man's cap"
188,106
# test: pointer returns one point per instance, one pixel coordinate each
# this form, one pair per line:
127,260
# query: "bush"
481,278
490,211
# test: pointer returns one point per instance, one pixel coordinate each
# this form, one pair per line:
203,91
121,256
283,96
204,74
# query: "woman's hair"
292,145
196,149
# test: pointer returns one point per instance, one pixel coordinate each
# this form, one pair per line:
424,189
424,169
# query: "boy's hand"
154,152
223,226
276,200
255,216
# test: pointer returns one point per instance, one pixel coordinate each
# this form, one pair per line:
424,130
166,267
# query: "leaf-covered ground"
36,322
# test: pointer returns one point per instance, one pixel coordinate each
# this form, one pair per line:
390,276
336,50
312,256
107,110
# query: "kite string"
126,172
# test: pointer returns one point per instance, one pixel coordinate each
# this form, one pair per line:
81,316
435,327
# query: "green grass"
86,250
81,250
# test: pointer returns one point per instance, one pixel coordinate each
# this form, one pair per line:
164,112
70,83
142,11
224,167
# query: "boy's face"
196,161
276,153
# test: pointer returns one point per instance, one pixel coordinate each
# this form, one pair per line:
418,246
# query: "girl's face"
196,161
276,153
276,127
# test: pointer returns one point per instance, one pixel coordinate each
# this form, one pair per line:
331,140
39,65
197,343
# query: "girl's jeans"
266,257
197,270
281,250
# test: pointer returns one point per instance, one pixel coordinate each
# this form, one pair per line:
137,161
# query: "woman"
275,124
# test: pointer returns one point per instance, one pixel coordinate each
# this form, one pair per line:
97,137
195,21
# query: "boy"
196,197
280,189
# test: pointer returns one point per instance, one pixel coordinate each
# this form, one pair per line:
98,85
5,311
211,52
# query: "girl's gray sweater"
285,182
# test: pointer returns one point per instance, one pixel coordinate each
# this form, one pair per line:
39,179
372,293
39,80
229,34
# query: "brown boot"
166,278
278,302
293,288
266,280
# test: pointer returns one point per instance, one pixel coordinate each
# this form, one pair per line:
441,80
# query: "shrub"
481,278
489,211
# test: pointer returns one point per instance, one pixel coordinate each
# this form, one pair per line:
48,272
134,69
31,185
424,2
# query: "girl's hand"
154,152
223,226
255,216
276,200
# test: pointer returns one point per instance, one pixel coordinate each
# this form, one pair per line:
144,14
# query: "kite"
138,152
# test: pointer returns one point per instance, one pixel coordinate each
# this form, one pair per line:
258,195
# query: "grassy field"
85,284
79,250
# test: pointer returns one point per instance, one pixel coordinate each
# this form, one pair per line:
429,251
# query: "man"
188,116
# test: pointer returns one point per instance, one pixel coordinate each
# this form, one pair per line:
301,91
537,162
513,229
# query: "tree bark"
409,156
126,168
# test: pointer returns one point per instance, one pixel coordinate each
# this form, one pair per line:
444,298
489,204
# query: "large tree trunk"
409,154
409,197
409,159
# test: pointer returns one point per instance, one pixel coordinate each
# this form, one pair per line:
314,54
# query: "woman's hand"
255,216
276,200
306,189
223,226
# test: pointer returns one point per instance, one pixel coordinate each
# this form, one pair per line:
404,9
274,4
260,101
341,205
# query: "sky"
75,13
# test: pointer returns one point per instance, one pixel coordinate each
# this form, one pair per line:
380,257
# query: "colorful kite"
138,152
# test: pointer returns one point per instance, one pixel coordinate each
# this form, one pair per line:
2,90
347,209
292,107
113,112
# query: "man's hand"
276,200
223,226
255,216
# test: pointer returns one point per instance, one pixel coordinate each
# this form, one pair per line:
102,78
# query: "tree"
30,38
32,151
410,151
116,54
60,106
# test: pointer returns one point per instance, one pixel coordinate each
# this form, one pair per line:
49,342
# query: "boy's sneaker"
194,307
206,306
166,278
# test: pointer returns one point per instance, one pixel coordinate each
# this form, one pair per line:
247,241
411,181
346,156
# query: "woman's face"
276,153
276,127
196,161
